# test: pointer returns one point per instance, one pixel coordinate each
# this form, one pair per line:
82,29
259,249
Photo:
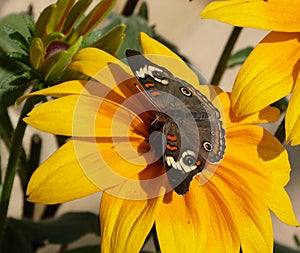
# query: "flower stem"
15,151
220,69
33,163
280,132
155,240
129,7
6,130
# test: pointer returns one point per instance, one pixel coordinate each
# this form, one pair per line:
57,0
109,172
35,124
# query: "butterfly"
192,132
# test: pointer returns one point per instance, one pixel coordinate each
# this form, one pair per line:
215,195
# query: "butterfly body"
192,130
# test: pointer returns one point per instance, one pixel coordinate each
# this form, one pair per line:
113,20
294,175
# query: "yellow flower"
272,69
109,152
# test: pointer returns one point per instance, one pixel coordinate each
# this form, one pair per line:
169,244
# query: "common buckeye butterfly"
192,132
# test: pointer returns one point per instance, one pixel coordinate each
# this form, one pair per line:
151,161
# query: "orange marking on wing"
155,93
148,85
171,137
198,163
172,148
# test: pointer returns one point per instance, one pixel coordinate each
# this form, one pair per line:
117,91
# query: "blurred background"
202,42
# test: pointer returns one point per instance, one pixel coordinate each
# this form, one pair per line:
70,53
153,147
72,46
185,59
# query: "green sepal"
134,25
52,37
54,66
239,57
58,16
41,24
69,74
37,53
92,19
112,40
75,14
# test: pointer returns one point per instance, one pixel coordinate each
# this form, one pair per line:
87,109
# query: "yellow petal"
292,121
126,223
150,183
269,152
182,223
274,157
258,182
268,73
74,87
247,206
163,56
268,114
66,115
104,68
108,162
275,15
60,179
222,231
280,204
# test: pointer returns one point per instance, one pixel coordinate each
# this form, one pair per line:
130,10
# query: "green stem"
220,69
50,211
6,130
33,163
15,151
155,240
280,132
129,7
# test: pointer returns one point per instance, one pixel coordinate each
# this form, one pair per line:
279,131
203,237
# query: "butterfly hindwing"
181,160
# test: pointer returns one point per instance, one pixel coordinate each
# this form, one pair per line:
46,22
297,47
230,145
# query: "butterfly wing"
155,80
207,118
181,159
193,132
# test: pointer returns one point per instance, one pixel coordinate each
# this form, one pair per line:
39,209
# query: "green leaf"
15,30
134,25
29,23
297,241
278,248
239,57
14,241
65,229
14,80
143,11
87,249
